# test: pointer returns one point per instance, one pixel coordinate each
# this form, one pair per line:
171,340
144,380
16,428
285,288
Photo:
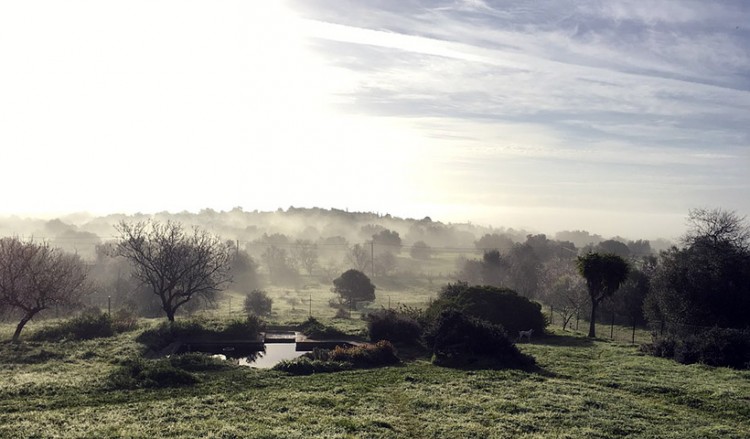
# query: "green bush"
341,358
139,373
392,325
714,347
257,302
381,353
500,306
242,329
90,324
166,333
314,329
458,340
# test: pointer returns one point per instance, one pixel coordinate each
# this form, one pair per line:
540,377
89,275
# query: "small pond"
247,356
274,353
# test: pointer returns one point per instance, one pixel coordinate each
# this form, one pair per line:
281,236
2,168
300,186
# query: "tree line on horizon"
170,267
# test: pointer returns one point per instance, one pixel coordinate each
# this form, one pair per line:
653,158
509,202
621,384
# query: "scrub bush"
392,325
314,329
90,324
139,373
458,340
500,306
714,347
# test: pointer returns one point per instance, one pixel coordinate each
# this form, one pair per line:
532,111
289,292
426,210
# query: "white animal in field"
525,334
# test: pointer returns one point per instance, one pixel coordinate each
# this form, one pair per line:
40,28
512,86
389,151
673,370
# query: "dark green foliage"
166,333
496,305
392,325
314,329
381,353
90,324
139,373
240,329
257,302
342,358
353,286
604,273
705,284
714,347
458,340
169,332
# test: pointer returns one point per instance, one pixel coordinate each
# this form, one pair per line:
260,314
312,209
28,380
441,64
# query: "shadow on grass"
564,340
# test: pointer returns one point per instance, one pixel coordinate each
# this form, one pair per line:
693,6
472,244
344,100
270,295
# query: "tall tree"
604,273
178,265
354,286
305,252
707,282
34,277
359,257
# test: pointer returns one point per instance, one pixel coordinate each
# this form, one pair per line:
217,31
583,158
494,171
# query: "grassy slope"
585,389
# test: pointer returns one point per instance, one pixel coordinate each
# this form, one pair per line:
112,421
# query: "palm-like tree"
604,273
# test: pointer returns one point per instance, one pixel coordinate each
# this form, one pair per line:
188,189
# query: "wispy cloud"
656,95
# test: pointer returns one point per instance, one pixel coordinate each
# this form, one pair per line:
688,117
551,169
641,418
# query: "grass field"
584,389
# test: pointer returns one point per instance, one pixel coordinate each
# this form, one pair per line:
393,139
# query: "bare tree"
564,290
717,226
359,257
306,254
34,277
179,266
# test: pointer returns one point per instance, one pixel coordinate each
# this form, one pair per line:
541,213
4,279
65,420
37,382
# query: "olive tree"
178,265
604,273
353,286
35,277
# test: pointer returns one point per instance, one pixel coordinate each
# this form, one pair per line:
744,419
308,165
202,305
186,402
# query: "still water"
274,353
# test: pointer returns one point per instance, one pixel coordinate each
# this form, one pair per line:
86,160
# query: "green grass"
584,389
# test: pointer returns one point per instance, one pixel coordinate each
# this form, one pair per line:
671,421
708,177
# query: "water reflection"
250,356
273,353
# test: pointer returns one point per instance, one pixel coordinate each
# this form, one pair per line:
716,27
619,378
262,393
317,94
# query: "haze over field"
610,116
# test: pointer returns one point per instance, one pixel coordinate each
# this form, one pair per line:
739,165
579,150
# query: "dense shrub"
92,323
314,329
167,333
257,302
241,329
496,305
459,340
388,324
139,373
341,358
381,353
714,347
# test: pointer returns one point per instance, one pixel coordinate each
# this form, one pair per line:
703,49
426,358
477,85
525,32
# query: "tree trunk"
592,322
21,324
170,314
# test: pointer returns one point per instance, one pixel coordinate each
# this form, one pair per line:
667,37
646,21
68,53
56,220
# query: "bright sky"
610,116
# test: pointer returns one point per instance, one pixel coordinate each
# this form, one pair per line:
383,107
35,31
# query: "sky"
616,117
